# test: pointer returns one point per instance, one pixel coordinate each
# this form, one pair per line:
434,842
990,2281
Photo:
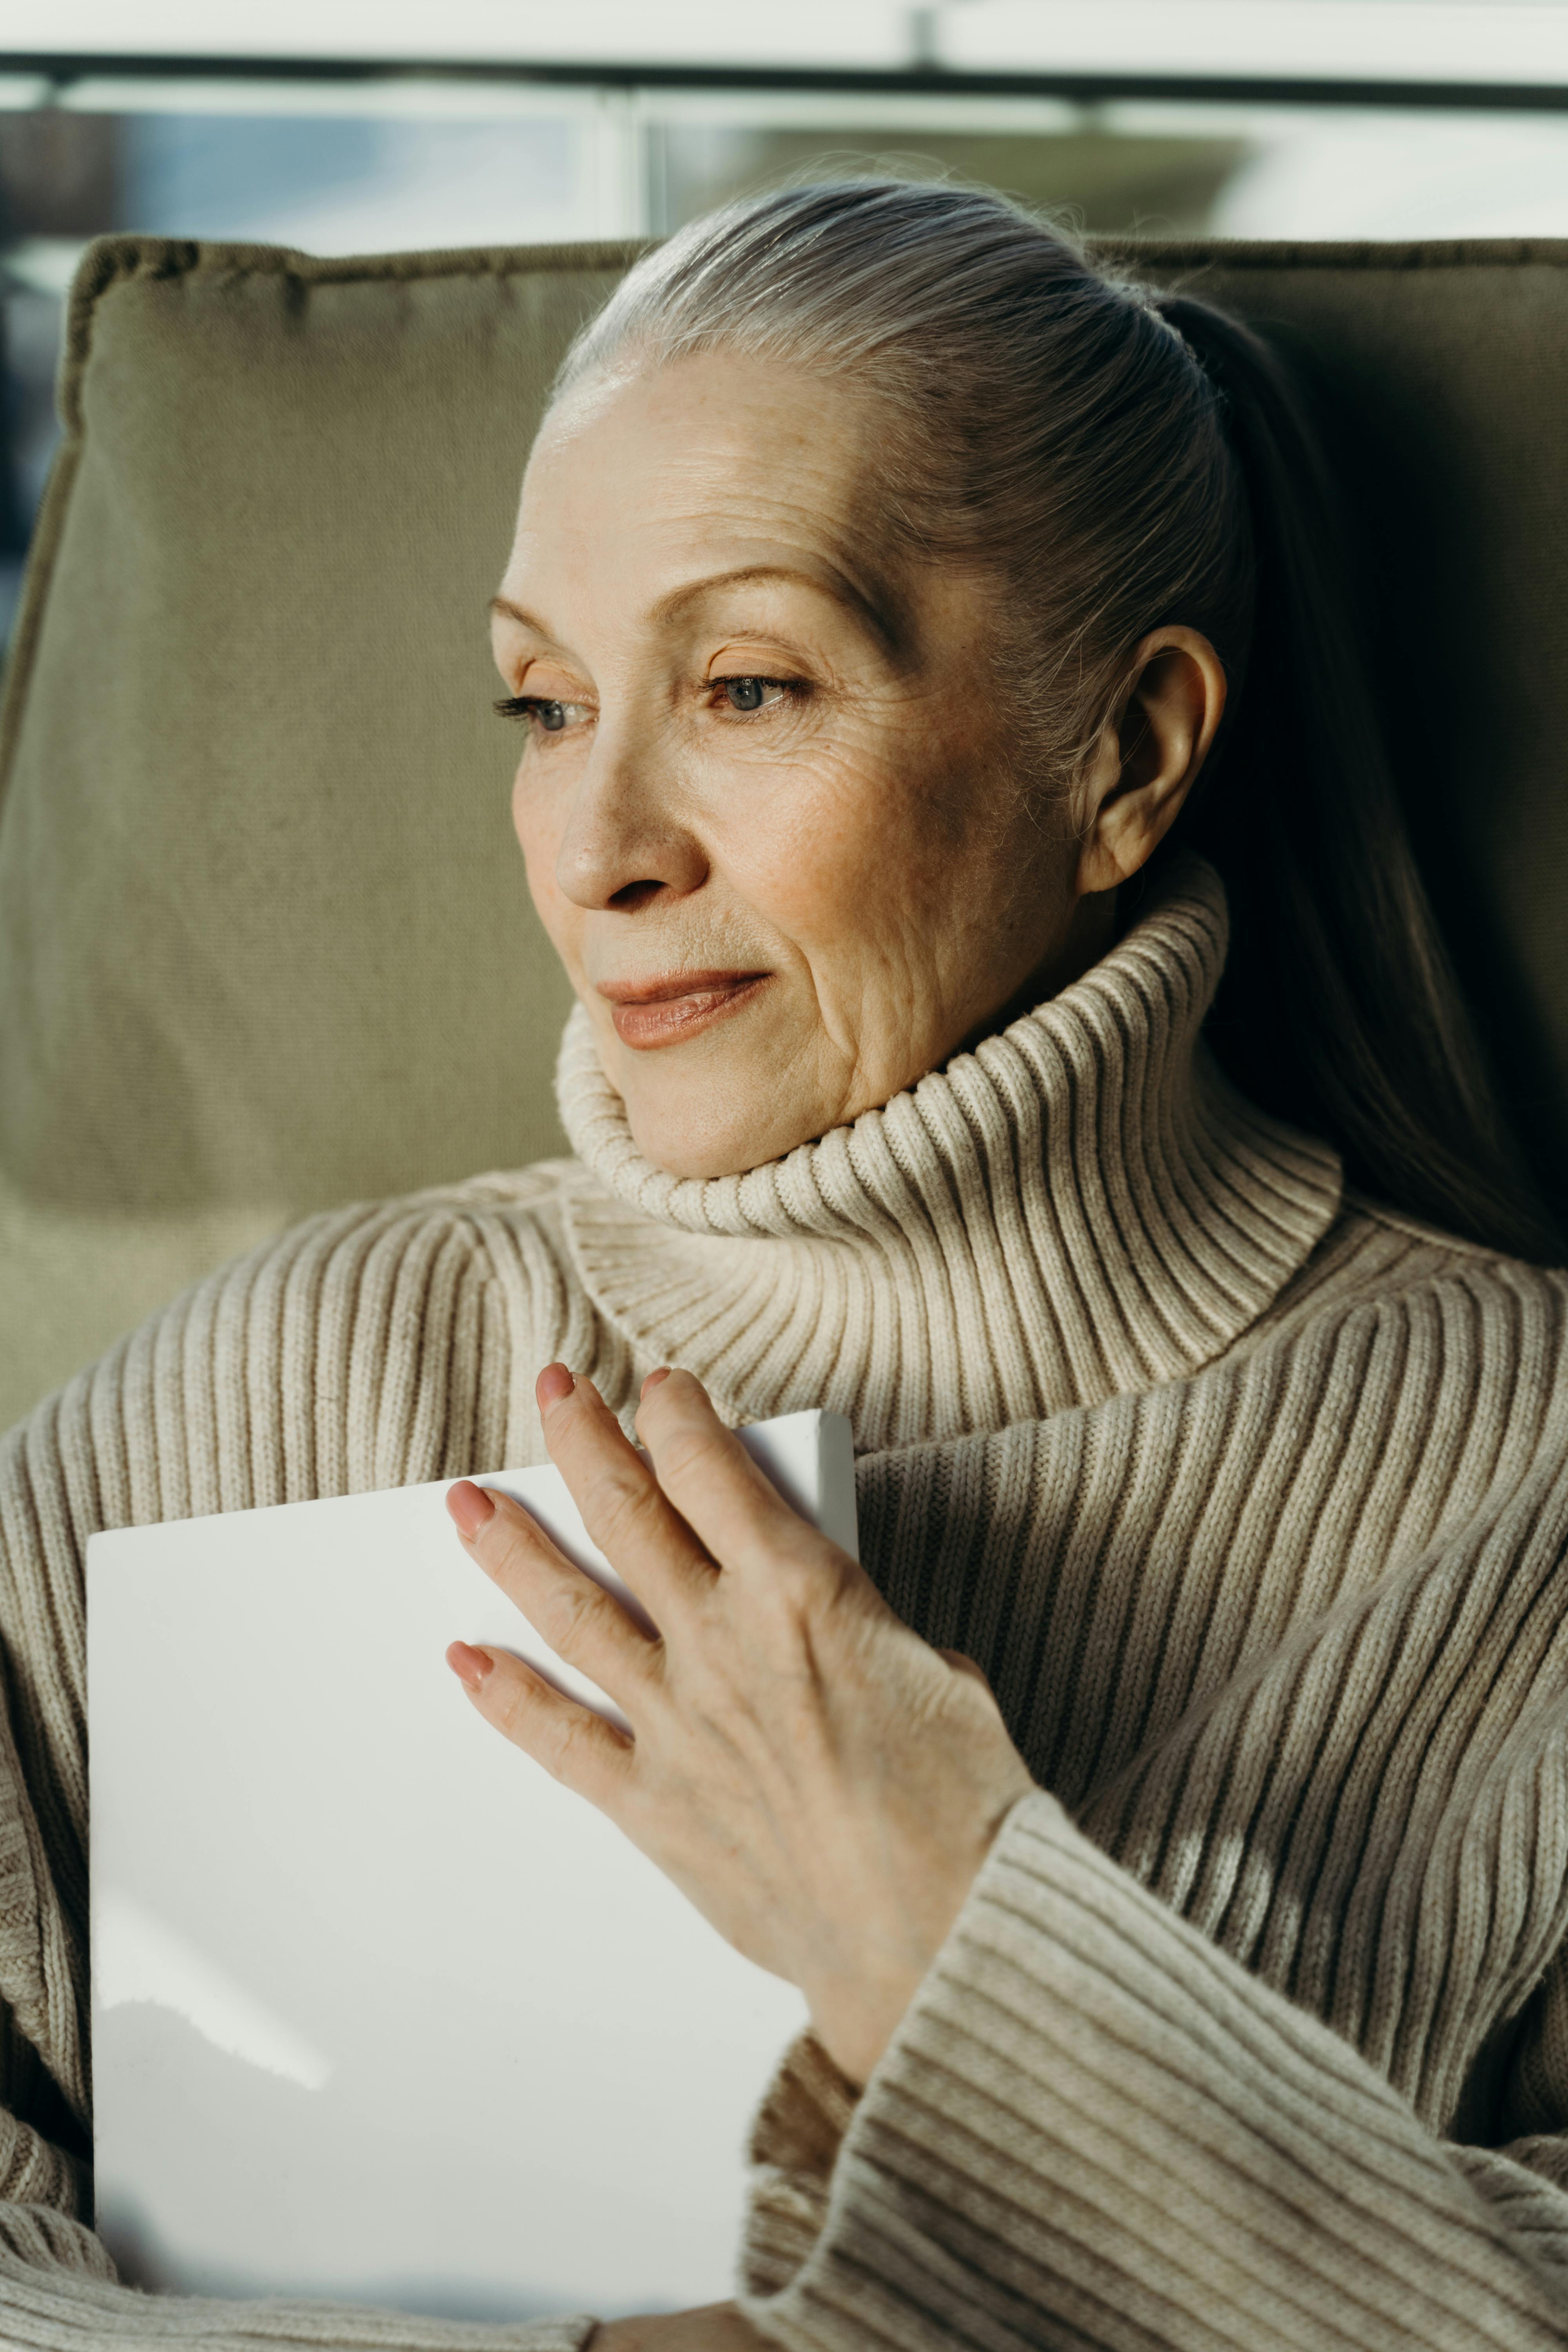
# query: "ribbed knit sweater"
1250,1497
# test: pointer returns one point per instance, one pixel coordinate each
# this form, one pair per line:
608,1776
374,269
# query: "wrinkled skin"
765,750
772,824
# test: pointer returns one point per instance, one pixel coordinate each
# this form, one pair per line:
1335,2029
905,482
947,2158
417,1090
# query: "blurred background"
344,128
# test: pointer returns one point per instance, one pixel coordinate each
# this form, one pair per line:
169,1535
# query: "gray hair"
1045,422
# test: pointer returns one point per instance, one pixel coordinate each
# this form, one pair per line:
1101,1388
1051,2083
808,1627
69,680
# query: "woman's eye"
747,694
538,711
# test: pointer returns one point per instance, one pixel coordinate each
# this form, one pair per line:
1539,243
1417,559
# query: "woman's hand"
820,1782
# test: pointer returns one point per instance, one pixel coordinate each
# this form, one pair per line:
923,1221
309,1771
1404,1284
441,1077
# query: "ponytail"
1339,1009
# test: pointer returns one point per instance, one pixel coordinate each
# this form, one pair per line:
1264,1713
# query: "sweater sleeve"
1094,2127
366,1349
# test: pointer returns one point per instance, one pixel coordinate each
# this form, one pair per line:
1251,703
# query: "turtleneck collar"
1081,1206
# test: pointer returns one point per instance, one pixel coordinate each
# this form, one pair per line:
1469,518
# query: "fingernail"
469,1665
654,1379
471,1506
554,1383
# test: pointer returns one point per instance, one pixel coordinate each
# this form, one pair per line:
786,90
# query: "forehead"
712,449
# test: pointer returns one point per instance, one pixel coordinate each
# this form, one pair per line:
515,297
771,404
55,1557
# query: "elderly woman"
1169,1830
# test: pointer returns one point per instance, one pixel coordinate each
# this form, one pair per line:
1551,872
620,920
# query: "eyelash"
793,689
527,706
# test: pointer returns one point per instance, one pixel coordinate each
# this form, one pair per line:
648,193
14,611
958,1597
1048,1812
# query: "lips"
649,1013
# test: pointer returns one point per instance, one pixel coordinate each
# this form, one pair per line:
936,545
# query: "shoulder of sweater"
1390,1219
517,1197
503,1187
388,1330
477,1229
466,1217
1373,1254
504,1225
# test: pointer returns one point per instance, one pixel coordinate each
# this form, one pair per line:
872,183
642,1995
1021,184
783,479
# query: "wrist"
857,2006
855,2019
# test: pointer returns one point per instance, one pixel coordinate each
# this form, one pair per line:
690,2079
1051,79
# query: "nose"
626,841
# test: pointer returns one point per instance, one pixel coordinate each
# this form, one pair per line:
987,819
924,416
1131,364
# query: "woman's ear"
1148,756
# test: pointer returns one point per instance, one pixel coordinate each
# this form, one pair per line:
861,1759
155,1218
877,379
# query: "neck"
1090,932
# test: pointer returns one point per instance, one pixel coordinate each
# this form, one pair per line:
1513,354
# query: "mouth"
649,1013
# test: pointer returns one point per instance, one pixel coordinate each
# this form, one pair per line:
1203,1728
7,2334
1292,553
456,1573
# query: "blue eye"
538,710
749,694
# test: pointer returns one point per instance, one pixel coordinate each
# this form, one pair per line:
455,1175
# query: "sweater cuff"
795,2140
790,2237
1093,2127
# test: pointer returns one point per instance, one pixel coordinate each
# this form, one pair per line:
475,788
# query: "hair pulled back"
1116,459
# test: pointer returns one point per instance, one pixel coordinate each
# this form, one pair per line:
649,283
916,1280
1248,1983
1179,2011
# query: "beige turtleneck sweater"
1251,1499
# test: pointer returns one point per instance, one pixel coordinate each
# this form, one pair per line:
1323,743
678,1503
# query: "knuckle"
575,1609
514,1707
511,1541
626,1508
570,1744
803,1581
510,1549
689,1448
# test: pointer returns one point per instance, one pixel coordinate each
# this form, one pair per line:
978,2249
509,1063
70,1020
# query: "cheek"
849,853
528,817
537,819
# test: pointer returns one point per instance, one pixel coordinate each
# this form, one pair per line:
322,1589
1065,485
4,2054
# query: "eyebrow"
504,606
832,584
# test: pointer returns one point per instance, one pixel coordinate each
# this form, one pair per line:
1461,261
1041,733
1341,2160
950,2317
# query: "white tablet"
379,2012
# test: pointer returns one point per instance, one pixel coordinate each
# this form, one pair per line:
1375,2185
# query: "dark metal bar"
62,70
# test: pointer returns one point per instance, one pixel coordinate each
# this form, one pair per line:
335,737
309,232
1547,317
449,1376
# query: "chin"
707,1135
682,1154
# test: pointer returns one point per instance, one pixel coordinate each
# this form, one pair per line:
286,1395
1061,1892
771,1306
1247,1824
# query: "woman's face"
764,796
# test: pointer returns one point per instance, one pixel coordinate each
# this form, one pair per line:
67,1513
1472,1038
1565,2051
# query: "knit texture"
1251,1500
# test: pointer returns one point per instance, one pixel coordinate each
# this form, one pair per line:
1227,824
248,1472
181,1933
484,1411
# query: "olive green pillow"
265,941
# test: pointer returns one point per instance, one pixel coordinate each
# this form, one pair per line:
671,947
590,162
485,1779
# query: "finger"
962,1663
639,1531
721,1493
580,1621
575,1746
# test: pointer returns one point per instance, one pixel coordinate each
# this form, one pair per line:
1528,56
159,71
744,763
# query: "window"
339,129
